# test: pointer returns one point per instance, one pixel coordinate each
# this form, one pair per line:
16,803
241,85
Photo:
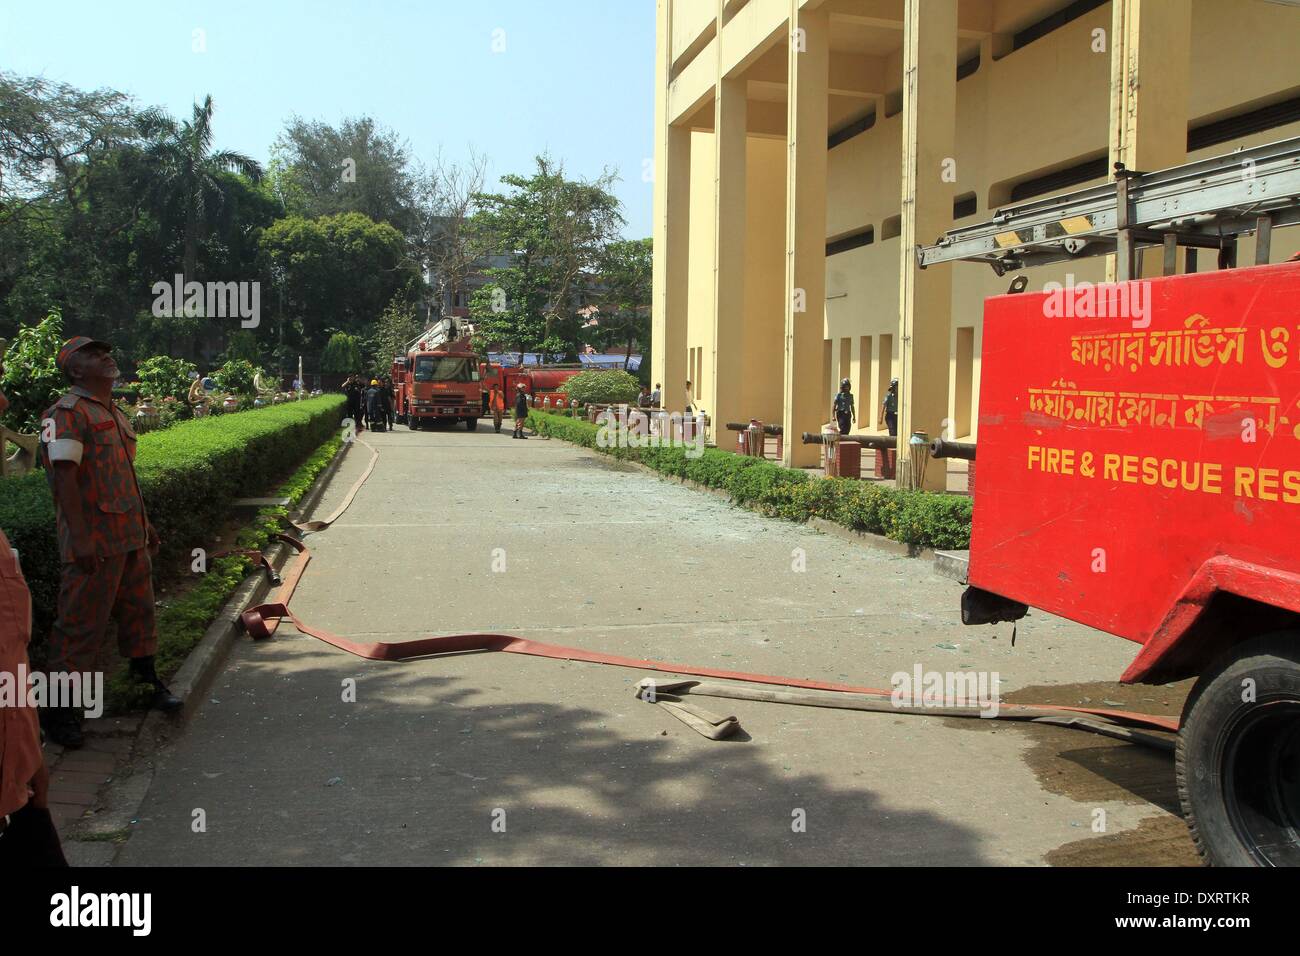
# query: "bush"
189,475
237,377
165,377
917,518
603,388
31,380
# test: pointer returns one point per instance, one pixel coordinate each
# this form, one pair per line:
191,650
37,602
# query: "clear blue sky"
576,77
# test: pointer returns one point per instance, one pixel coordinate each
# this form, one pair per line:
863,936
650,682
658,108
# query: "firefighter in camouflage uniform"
105,538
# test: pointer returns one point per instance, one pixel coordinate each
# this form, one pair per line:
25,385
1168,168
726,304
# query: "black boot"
142,670
63,726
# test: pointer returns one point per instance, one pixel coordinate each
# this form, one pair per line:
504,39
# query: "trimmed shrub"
189,475
918,518
603,388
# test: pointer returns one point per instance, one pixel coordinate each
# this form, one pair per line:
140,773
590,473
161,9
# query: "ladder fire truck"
437,379
1139,463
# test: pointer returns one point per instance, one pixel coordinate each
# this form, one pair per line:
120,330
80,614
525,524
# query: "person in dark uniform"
889,408
27,834
521,410
842,409
106,541
389,409
386,384
352,389
376,415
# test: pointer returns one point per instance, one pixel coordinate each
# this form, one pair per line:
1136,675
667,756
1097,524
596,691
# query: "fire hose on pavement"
262,621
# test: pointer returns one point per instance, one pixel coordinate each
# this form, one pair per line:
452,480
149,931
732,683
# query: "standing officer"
889,408
521,410
842,409
105,538
27,837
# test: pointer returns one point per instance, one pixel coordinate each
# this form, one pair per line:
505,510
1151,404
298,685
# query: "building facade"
805,147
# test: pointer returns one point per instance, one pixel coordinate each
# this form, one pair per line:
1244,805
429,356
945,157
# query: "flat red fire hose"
261,623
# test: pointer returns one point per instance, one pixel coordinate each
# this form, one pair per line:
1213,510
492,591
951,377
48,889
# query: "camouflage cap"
74,345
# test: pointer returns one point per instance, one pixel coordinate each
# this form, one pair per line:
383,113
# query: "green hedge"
183,618
189,476
919,518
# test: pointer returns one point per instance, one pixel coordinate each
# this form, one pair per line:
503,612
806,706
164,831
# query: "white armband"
66,449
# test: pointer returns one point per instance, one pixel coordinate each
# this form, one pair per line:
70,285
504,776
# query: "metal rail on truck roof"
1207,204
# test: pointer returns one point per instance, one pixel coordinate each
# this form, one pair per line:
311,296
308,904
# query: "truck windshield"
434,368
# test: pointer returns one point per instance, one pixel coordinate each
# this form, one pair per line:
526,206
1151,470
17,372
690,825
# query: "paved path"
433,753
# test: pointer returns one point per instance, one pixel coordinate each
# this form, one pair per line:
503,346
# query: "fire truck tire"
1238,756
471,424
412,423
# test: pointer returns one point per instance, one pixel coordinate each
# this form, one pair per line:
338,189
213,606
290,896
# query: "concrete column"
1150,51
805,230
672,212
925,298
728,360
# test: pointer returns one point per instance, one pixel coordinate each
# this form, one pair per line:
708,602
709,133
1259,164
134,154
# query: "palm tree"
187,181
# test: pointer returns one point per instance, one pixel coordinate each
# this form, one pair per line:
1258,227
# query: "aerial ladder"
1208,204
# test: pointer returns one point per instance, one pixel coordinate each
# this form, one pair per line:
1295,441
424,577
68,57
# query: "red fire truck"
541,382
1139,464
438,379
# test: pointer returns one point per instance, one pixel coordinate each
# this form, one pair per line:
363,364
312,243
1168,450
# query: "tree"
359,167
242,344
551,230
396,327
49,132
188,183
335,273
67,208
626,275
342,354
442,241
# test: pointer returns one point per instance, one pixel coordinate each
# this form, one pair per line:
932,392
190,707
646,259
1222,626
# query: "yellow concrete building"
804,147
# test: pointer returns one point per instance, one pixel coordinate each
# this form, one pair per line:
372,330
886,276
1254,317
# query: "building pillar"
1150,51
672,212
805,230
929,167
729,255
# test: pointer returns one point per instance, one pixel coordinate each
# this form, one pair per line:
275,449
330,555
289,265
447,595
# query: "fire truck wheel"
413,423
471,424
1238,756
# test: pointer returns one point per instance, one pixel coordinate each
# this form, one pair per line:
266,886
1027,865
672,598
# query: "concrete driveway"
502,759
